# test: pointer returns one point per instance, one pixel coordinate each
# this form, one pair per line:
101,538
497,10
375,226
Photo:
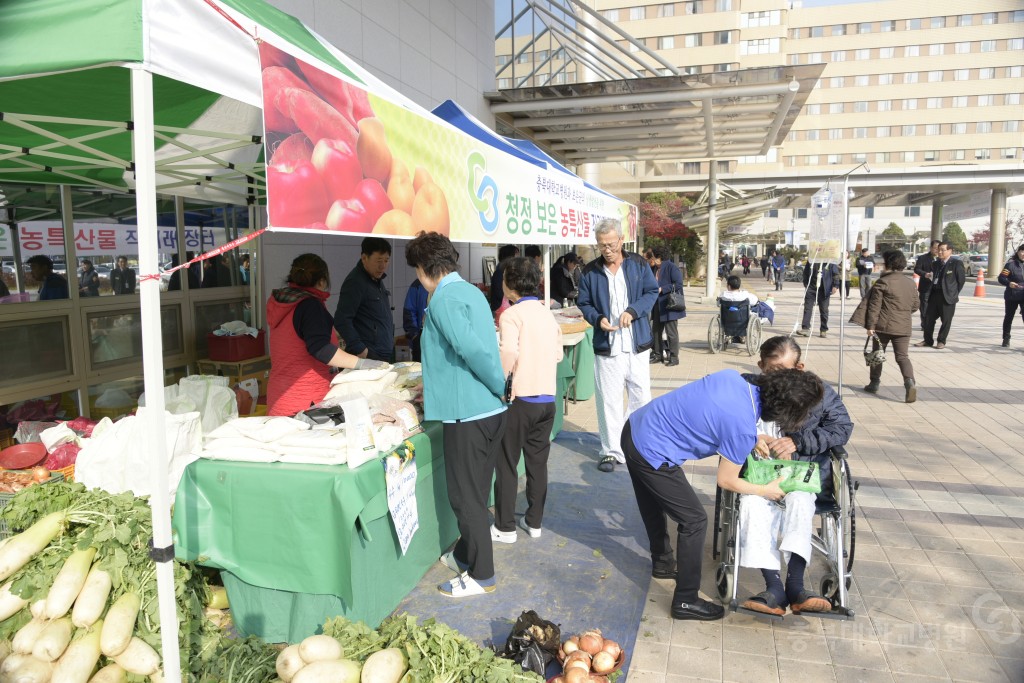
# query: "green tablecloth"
299,543
577,362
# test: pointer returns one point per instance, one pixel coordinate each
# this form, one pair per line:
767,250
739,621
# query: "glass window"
986,73
982,154
692,7
772,213
723,5
937,49
859,157
667,10
956,155
1012,98
52,407
909,157
723,37
860,107
884,105
39,241
837,82
666,42
882,131
814,58
1011,44
930,155
839,30
964,20
813,109
909,130
861,80
1014,71
910,103
838,55
986,100
886,52
937,22
636,13
834,159
504,83
961,74
35,350
911,211
910,77
935,103
611,14
813,134
1011,126
960,101
884,79
721,68
958,128
864,27
886,26
934,76
990,45
869,212
913,24
691,167
811,160
1008,153
722,166
836,108
817,31
912,51
116,338
835,133
692,40
983,127
988,18
860,132
962,48
794,33
862,54
210,316
1017,15
932,129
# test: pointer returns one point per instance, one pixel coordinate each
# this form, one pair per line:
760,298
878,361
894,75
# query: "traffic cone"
979,287
917,279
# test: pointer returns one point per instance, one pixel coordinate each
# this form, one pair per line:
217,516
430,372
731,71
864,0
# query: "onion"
603,662
577,676
612,648
597,678
40,474
571,645
591,642
577,660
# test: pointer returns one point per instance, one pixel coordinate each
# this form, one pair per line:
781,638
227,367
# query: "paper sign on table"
400,476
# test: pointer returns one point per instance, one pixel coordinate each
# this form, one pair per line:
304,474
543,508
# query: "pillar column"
997,231
712,274
937,219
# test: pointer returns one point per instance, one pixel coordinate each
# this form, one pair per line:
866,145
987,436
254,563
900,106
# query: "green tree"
954,234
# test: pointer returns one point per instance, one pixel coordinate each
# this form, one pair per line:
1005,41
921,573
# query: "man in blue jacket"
363,317
617,293
821,281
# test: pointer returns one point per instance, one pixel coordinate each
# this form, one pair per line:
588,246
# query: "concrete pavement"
939,574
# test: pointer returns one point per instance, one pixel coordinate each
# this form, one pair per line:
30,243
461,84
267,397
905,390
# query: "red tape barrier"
207,255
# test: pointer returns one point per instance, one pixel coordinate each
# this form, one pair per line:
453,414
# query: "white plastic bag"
213,398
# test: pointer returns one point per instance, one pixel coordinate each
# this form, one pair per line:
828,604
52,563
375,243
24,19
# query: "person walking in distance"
778,269
617,293
865,269
820,282
948,279
923,268
1012,277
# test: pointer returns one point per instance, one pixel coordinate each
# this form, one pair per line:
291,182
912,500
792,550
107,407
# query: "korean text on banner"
351,160
400,476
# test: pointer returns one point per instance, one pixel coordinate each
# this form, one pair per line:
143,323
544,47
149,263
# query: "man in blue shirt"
778,263
52,286
716,414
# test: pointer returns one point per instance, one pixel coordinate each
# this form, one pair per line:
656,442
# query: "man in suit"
948,277
818,290
923,269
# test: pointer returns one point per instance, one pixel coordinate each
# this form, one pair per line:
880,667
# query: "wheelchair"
734,320
834,539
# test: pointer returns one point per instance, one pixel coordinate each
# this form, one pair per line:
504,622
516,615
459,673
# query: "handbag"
676,302
873,357
801,475
508,388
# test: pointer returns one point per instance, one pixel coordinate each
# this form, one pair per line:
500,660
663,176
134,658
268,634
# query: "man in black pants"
948,277
923,268
819,292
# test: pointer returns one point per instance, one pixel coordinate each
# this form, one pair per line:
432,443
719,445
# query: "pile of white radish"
67,633
320,659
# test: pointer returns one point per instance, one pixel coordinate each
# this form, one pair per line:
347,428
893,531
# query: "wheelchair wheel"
849,521
716,335
753,335
723,582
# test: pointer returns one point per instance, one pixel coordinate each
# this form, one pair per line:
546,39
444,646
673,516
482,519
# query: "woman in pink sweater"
531,347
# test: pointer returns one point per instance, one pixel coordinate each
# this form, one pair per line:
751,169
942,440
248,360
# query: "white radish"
384,666
338,671
157,676
111,673
5,650
139,658
37,608
54,639
26,636
10,604
68,583
120,624
29,670
10,663
319,649
288,663
79,660
16,553
93,599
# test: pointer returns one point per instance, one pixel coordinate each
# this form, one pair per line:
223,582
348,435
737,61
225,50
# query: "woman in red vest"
303,343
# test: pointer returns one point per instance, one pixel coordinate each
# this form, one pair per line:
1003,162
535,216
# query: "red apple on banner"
373,151
338,166
430,209
395,222
372,195
400,189
297,194
348,215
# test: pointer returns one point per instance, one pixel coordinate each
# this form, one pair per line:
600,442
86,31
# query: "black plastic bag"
533,642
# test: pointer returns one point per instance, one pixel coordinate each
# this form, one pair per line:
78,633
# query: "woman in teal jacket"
463,387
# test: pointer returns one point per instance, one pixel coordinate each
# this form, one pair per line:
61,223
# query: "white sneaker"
502,536
463,586
533,533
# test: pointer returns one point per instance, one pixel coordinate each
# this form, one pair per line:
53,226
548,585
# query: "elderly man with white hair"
616,294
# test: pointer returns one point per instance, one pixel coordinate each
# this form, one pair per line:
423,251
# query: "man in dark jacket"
821,281
923,268
363,317
122,278
617,293
948,277
865,271
1012,277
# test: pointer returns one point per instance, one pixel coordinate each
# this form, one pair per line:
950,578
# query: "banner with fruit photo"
346,160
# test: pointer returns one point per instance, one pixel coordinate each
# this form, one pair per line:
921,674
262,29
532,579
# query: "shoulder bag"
676,302
873,357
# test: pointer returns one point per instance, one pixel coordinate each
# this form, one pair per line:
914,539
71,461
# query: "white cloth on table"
762,522
265,429
611,374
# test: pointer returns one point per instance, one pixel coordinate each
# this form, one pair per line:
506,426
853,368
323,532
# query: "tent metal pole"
153,365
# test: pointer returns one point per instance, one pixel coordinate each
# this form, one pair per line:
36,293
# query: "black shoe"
1006,342
655,360
607,464
672,362
701,610
664,570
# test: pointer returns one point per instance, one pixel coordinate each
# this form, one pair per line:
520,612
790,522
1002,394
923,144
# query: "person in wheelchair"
763,521
716,414
765,310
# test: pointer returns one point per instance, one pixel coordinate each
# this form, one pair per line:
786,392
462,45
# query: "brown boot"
911,387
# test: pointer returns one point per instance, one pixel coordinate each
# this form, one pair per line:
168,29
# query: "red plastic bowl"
22,456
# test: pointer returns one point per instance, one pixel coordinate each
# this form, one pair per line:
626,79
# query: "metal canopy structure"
719,115
736,207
